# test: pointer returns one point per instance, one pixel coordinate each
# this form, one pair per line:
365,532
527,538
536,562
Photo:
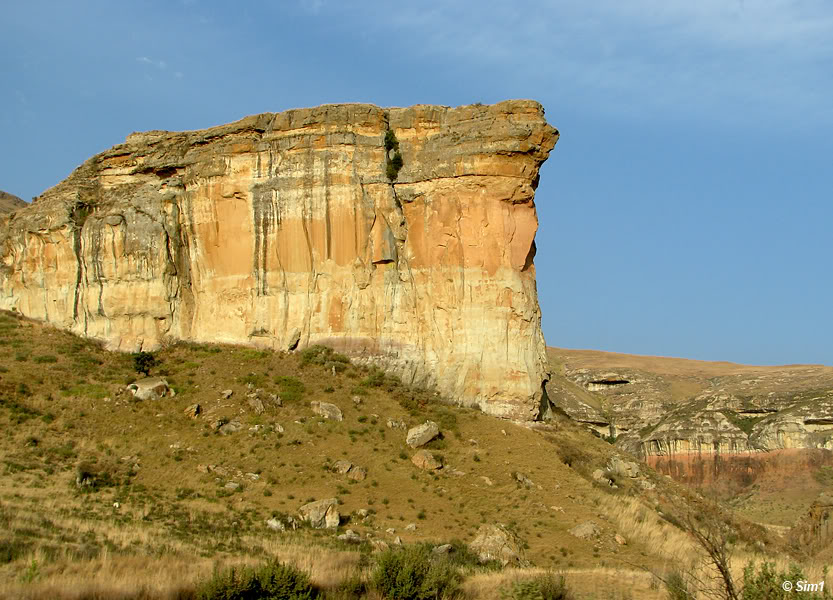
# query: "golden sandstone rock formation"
285,230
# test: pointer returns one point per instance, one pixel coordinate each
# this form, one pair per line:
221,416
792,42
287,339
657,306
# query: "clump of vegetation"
415,573
678,587
143,362
394,163
744,423
92,477
765,583
272,581
543,587
291,389
325,356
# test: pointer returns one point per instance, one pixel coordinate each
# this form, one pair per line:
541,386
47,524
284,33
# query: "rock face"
284,230
9,203
707,424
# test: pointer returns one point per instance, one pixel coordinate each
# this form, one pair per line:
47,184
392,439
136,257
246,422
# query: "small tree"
143,362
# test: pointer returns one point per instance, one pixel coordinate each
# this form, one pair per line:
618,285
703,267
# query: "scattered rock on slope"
495,542
321,514
326,410
426,461
150,388
422,434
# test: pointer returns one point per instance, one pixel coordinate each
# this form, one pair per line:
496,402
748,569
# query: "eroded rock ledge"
284,230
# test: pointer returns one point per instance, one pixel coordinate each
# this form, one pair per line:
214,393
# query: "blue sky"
686,210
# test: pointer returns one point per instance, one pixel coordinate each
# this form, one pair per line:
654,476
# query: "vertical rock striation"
284,230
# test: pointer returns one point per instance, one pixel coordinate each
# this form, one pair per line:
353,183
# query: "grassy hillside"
154,510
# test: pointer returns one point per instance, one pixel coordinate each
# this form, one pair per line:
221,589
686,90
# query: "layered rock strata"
702,422
285,230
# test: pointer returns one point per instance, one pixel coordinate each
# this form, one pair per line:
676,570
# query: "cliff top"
9,202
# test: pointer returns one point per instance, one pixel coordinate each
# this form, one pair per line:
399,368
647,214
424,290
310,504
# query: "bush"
415,573
677,587
766,584
143,362
325,356
272,581
543,587
394,164
291,389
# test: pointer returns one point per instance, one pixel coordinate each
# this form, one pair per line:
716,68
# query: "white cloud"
159,64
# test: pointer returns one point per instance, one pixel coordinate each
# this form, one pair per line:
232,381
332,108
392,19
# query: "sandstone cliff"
9,202
701,421
284,230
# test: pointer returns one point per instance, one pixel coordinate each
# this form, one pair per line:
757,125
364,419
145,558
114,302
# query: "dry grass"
63,403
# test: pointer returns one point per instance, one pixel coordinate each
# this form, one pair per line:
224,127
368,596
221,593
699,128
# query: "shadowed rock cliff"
284,230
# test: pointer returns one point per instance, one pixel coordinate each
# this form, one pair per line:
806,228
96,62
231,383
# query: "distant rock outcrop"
698,421
403,235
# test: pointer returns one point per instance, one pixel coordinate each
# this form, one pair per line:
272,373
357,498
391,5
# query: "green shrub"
765,583
415,573
376,378
272,581
543,587
143,362
290,388
393,164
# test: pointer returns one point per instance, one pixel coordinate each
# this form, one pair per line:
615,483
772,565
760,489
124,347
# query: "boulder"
422,434
442,549
523,479
275,525
321,514
496,542
623,468
226,394
256,404
426,461
351,537
231,427
585,530
150,388
326,410
396,424
193,411
357,474
342,467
